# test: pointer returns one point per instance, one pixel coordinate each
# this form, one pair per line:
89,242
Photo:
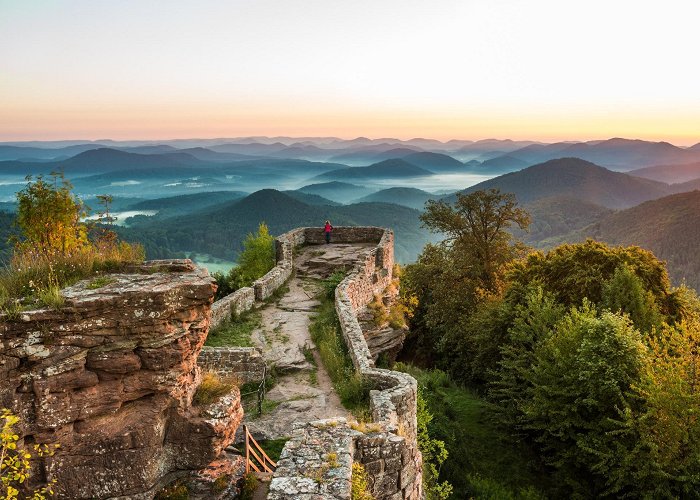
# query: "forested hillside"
669,227
578,365
220,230
575,178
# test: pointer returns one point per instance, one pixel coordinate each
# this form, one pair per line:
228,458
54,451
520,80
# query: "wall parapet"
391,457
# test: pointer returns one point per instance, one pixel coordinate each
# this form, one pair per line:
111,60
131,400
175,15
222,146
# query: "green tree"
50,216
665,460
451,279
434,454
476,225
533,323
575,272
256,259
625,293
580,384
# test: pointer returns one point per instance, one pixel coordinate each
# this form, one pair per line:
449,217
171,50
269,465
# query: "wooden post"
247,451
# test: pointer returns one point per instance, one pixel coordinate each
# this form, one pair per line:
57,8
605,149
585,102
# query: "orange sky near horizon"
450,69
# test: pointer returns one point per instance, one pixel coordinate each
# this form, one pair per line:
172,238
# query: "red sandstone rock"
111,378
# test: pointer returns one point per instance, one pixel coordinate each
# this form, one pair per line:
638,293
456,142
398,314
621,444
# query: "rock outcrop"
111,377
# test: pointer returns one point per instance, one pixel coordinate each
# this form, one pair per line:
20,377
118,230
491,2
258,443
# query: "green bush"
211,389
256,259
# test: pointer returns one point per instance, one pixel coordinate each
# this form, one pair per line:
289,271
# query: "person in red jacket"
327,229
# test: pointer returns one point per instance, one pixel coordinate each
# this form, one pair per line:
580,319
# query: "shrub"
256,259
16,461
211,389
434,454
360,483
250,484
54,250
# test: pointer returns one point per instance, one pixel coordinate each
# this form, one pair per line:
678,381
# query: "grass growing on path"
235,332
326,334
483,461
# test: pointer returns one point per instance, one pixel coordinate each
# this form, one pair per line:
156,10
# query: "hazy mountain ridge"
671,174
668,226
387,169
219,230
408,197
575,178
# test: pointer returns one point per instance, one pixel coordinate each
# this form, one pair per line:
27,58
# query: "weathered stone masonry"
111,376
391,456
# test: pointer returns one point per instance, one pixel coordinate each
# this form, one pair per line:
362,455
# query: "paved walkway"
303,392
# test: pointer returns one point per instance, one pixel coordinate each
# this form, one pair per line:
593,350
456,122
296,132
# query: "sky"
445,69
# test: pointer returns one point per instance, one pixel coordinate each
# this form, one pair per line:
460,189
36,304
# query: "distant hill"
8,152
575,178
368,155
101,160
407,197
684,187
668,226
114,159
209,155
616,154
186,203
670,174
435,162
387,169
311,199
342,192
220,230
502,165
557,216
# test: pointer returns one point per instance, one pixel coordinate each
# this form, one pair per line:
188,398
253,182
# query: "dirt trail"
303,392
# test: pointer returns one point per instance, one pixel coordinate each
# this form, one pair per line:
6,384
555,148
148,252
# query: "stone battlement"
390,454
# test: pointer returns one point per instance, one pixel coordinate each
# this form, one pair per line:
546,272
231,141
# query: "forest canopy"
585,353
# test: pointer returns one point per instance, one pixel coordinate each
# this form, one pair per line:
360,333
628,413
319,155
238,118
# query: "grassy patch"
99,282
366,427
211,389
279,292
482,458
309,357
235,332
51,297
250,484
326,334
30,272
273,447
176,491
329,284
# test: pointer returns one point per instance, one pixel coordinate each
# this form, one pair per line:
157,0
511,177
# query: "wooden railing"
254,451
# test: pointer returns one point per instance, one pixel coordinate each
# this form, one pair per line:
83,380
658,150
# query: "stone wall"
390,455
242,364
111,378
233,304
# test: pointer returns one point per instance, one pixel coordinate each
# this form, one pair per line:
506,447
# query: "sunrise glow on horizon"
541,70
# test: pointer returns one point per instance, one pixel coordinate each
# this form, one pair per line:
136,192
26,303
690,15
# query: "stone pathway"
303,392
